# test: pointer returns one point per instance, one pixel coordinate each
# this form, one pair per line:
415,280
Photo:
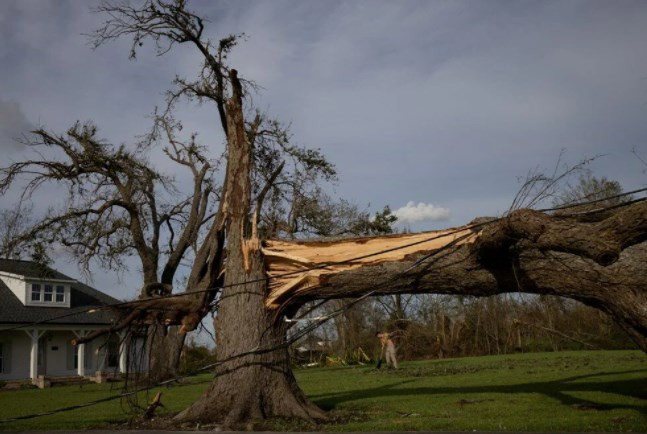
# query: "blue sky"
444,103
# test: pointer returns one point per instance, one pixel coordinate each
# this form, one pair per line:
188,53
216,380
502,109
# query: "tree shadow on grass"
557,389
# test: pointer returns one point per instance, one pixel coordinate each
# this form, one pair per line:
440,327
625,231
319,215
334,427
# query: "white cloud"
412,212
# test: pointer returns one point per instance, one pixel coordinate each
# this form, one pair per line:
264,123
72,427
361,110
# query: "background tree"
117,206
12,223
316,214
590,188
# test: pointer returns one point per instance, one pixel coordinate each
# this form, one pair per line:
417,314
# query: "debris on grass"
587,406
462,402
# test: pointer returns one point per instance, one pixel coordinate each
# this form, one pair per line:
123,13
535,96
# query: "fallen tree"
598,263
598,260
595,257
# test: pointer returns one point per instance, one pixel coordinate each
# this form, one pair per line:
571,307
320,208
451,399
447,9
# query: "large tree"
598,260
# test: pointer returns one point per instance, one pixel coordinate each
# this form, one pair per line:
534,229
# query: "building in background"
41,312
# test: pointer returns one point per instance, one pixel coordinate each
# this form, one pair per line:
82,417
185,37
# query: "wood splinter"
156,402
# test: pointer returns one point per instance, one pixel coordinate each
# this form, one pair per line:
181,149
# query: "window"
60,294
49,293
35,292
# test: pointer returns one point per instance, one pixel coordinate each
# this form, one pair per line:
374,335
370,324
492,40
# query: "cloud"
13,125
413,213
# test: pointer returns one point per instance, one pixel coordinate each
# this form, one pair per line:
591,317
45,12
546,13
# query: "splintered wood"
293,257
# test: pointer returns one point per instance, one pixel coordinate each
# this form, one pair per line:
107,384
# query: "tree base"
255,386
250,391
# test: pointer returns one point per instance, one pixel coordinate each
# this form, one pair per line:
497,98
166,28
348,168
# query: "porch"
41,353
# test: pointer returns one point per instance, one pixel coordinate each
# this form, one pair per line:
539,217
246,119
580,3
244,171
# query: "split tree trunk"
256,386
260,384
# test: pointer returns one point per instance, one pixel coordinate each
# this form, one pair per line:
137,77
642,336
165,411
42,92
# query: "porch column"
80,354
34,334
123,351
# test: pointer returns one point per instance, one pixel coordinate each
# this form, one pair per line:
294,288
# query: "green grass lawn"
569,391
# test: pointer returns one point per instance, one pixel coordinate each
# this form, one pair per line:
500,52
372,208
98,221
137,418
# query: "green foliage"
320,215
382,223
195,356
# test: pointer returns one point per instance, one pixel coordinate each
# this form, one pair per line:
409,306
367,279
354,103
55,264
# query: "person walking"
388,349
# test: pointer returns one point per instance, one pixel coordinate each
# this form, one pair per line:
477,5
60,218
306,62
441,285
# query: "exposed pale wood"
156,402
284,257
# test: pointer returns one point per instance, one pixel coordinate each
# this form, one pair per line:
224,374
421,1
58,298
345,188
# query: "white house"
36,332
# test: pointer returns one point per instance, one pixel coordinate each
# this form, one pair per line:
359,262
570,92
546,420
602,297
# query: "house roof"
31,269
82,297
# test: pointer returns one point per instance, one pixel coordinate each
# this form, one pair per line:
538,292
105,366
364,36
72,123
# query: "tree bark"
163,345
256,386
164,349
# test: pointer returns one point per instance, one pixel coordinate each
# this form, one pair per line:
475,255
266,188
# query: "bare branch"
261,197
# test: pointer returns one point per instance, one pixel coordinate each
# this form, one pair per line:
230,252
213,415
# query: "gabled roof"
82,298
31,269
